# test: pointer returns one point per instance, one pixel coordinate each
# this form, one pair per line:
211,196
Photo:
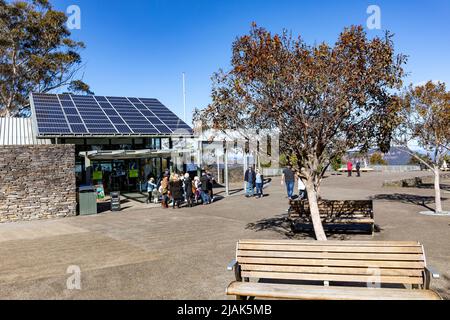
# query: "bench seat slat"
356,220
331,277
328,248
346,221
331,270
286,291
334,263
334,255
339,243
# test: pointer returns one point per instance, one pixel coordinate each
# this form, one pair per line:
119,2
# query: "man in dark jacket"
250,179
176,190
358,168
204,180
188,189
210,185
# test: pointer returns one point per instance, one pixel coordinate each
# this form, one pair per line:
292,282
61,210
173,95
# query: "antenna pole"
184,96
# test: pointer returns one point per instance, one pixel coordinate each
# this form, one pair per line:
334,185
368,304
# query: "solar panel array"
66,114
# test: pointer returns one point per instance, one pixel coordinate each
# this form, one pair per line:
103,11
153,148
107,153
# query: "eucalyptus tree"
37,53
425,120
324,99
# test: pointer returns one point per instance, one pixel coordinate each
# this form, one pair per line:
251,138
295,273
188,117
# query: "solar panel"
66,114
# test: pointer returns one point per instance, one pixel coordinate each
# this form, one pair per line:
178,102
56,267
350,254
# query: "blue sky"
141,48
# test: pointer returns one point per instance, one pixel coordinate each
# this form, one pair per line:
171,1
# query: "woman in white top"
301,189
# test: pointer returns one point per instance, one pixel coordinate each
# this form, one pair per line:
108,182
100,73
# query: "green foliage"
447,159
286,160
414,161
36,53
337,163
266,165
426,119
80,87
377,159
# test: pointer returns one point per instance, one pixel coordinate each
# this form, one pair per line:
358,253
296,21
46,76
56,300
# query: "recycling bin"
87,200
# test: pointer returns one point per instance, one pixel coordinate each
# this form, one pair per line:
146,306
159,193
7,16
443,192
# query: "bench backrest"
332,208
333,261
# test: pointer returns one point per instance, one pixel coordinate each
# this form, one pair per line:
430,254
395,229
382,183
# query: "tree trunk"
437,189
315,214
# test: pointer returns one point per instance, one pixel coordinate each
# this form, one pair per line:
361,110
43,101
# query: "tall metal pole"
218,168
184,96
227,181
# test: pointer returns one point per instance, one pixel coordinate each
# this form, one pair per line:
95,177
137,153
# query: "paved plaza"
150,253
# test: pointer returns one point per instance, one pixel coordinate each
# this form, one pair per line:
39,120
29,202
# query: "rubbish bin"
87,200
115,201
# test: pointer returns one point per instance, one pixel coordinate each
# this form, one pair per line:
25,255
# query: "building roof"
18,131
67,115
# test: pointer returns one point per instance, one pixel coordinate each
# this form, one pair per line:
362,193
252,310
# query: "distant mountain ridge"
395,157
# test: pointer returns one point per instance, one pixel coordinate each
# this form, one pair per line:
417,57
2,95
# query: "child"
302,195
259,184
151,186
196,185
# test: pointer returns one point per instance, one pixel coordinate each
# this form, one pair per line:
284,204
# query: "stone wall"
37,182
235,173
414,182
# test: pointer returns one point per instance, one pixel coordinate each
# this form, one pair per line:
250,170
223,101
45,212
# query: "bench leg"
241,298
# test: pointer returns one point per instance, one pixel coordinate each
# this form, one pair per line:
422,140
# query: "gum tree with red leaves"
324,99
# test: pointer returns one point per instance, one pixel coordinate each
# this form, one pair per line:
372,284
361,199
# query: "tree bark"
315,213
437,189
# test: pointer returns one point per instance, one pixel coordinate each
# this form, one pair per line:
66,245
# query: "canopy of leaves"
377,159
426,118
36,52
419,159
324,99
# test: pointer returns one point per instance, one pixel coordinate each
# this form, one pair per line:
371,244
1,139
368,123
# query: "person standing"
188,189
289,180
151,186
164,191
204,193
358,169
210,186
250,179
259,184
349,168
175,188
302,194
197,186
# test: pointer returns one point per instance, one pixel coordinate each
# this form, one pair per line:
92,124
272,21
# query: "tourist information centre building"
119,141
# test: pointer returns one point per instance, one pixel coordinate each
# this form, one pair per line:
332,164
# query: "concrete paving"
150,253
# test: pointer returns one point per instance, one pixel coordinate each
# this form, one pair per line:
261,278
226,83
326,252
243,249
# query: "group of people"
254,180
357,167
289,178
176,189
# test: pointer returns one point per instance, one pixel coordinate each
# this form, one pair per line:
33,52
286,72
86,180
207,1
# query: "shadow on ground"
445,187
283,226
444,292
106,206
422,201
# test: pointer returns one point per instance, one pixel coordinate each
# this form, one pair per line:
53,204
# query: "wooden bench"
331,270
336,215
